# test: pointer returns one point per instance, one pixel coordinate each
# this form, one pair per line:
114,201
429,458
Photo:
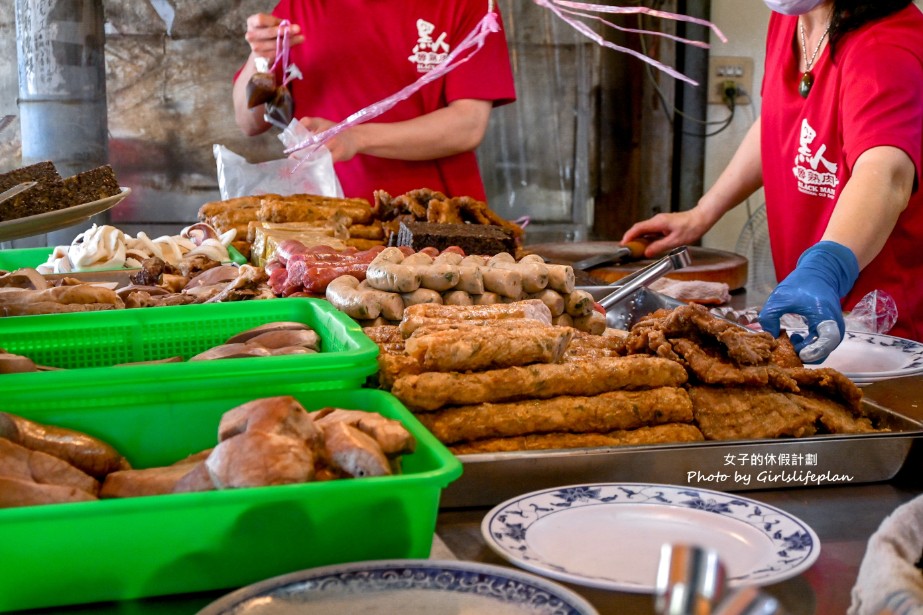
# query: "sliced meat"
19,462
354,452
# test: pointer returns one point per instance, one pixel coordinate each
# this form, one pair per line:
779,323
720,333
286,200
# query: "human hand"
823,276
262,30
343,146
674,230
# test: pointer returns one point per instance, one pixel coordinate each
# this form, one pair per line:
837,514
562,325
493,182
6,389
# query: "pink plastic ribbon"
474,41
564,8
289,71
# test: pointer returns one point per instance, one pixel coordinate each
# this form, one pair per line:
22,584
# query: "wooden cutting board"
708,264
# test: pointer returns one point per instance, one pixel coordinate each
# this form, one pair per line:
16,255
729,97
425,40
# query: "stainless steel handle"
690,580
678,258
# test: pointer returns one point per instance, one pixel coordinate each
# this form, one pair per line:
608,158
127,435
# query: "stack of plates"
869,357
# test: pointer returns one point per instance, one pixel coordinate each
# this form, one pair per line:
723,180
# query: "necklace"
807,78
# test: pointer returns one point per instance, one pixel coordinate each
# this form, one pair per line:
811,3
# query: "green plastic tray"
33,257
167,544
89,345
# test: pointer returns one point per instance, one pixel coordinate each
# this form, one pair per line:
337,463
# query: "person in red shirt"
838,149
353,53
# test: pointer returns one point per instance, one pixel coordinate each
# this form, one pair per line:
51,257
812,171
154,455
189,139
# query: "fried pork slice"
741,413
658,434
656,331
785,354
834,417
477,348
829,382
432,390
601,413
711,368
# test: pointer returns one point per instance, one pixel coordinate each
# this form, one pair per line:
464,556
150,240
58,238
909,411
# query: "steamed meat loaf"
657,434
601,413
433,390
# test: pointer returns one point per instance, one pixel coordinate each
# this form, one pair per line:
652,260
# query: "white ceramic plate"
409,587
609,535
868,357
53,220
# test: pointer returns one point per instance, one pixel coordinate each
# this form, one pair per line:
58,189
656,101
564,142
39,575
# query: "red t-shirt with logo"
357,52
869,95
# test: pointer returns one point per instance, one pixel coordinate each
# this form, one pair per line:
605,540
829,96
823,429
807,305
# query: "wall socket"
724,70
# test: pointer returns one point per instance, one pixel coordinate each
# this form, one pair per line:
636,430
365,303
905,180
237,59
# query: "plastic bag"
874,313
314,173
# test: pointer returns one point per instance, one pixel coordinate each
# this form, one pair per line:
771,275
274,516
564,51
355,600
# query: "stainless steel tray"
739,465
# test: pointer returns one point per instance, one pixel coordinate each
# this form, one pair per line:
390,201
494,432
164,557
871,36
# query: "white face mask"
793,7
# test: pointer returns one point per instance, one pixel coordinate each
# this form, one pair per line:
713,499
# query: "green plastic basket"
130,548
89,345
18,258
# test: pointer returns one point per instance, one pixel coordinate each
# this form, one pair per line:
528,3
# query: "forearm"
250,121
460,127
871,202
741,178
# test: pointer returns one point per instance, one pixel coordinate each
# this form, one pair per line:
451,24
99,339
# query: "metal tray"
738,465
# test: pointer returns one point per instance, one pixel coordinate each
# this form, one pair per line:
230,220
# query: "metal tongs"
676,259
691,581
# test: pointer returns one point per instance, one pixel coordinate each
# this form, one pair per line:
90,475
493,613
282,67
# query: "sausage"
470,279
421,295
552,299
579,303
84,452
386,273
534,275
457,297
448,258
561,278
504,282
594,322
564,320
486,298
392,306
359,303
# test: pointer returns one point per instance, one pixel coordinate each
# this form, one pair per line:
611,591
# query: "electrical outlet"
729,71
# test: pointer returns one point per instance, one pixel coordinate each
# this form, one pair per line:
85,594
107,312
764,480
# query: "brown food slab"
708,264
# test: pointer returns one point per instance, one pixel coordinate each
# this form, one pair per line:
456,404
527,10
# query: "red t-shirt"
357,52
871,95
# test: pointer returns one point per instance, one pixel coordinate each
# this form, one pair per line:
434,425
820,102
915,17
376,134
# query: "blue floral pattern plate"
403,586
868,357
609,535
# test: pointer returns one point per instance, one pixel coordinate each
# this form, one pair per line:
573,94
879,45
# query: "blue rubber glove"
824,274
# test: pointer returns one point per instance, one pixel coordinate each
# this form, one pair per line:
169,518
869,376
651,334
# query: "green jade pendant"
804,87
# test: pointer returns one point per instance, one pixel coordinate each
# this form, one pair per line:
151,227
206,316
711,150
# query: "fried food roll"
476,348
657,434
432,390
601,413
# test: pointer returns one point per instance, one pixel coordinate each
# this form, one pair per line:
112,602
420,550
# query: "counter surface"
844,518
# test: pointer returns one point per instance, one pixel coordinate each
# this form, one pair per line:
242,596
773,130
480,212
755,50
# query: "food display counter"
864,472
